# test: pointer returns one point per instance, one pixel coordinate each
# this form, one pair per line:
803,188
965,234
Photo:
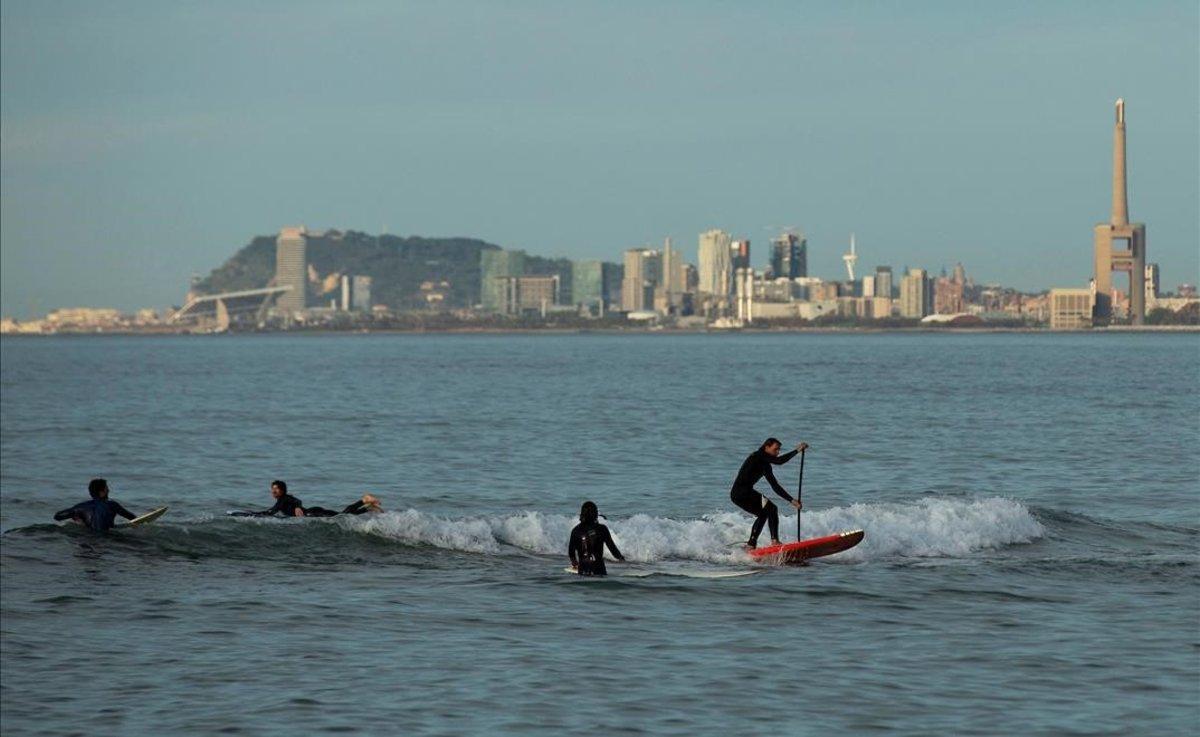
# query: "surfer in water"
98,513
290,506
588,539
285,504
756,466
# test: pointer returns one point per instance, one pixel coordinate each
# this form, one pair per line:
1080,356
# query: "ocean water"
1031,505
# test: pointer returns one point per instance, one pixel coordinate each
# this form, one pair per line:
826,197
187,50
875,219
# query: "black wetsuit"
285,505
586,548
358,507
98,514
756,466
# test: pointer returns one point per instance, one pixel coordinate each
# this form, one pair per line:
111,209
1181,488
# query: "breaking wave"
927,528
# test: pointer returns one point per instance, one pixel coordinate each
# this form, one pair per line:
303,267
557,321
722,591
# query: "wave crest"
932,527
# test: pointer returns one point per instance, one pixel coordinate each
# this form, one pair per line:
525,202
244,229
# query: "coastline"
840,330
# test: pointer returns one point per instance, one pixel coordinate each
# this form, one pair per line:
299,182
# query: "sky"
142,142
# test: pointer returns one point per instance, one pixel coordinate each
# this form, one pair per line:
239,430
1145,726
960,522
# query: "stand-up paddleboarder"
757,465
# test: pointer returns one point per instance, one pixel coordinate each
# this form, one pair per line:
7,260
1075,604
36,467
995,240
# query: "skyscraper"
883,281
948,296
674,271
614,281
714,264
739,254
587,283
643,269
1132,257
493,264
291,269
915,294
789,256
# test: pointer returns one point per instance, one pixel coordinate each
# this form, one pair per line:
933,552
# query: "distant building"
1152,283
643,269
291,269
739,254
494,264
520,294
714,266
673,281
781,289
1071,309
883,281
948,296
789,256
614,280
84,317
587,283
744,290
1119,245
867,289
916,298
826,291
356,293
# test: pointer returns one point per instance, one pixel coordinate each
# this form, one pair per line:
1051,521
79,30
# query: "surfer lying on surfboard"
744,495
586,548
290,506
99,513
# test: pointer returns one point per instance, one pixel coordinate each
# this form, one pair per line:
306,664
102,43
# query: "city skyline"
123,180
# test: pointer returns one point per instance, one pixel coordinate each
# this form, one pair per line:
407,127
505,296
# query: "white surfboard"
147,517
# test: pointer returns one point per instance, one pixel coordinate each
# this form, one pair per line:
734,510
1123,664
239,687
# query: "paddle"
800,494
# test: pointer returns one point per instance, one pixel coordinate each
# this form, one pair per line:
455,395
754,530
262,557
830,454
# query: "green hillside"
396,265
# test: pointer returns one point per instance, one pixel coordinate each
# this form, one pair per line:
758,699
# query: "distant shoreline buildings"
658,286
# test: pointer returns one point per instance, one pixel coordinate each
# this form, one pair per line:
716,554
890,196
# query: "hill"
397,266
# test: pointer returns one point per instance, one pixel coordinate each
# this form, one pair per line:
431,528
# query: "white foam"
932,527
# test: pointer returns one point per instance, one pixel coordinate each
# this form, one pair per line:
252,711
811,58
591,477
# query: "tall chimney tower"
1119,245
1120,202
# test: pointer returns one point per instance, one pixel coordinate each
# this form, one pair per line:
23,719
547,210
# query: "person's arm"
612,546
278,508
782,459
123,511
68,513
770,476
572,549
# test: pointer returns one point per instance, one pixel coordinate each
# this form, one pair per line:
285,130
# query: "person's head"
772,446
371,502
278,488
98,489
589,512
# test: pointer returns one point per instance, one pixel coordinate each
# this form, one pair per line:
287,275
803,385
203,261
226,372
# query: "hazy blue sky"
142,142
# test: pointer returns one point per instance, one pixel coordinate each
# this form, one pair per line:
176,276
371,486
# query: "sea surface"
1031,564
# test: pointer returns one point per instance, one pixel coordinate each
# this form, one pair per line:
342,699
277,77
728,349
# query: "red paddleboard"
798,552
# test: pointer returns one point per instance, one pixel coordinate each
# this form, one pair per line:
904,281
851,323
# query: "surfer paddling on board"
588,539
290,506
99,513
285,504
756,466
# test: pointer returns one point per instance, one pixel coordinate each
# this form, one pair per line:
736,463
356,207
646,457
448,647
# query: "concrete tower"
291,269
1131,258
